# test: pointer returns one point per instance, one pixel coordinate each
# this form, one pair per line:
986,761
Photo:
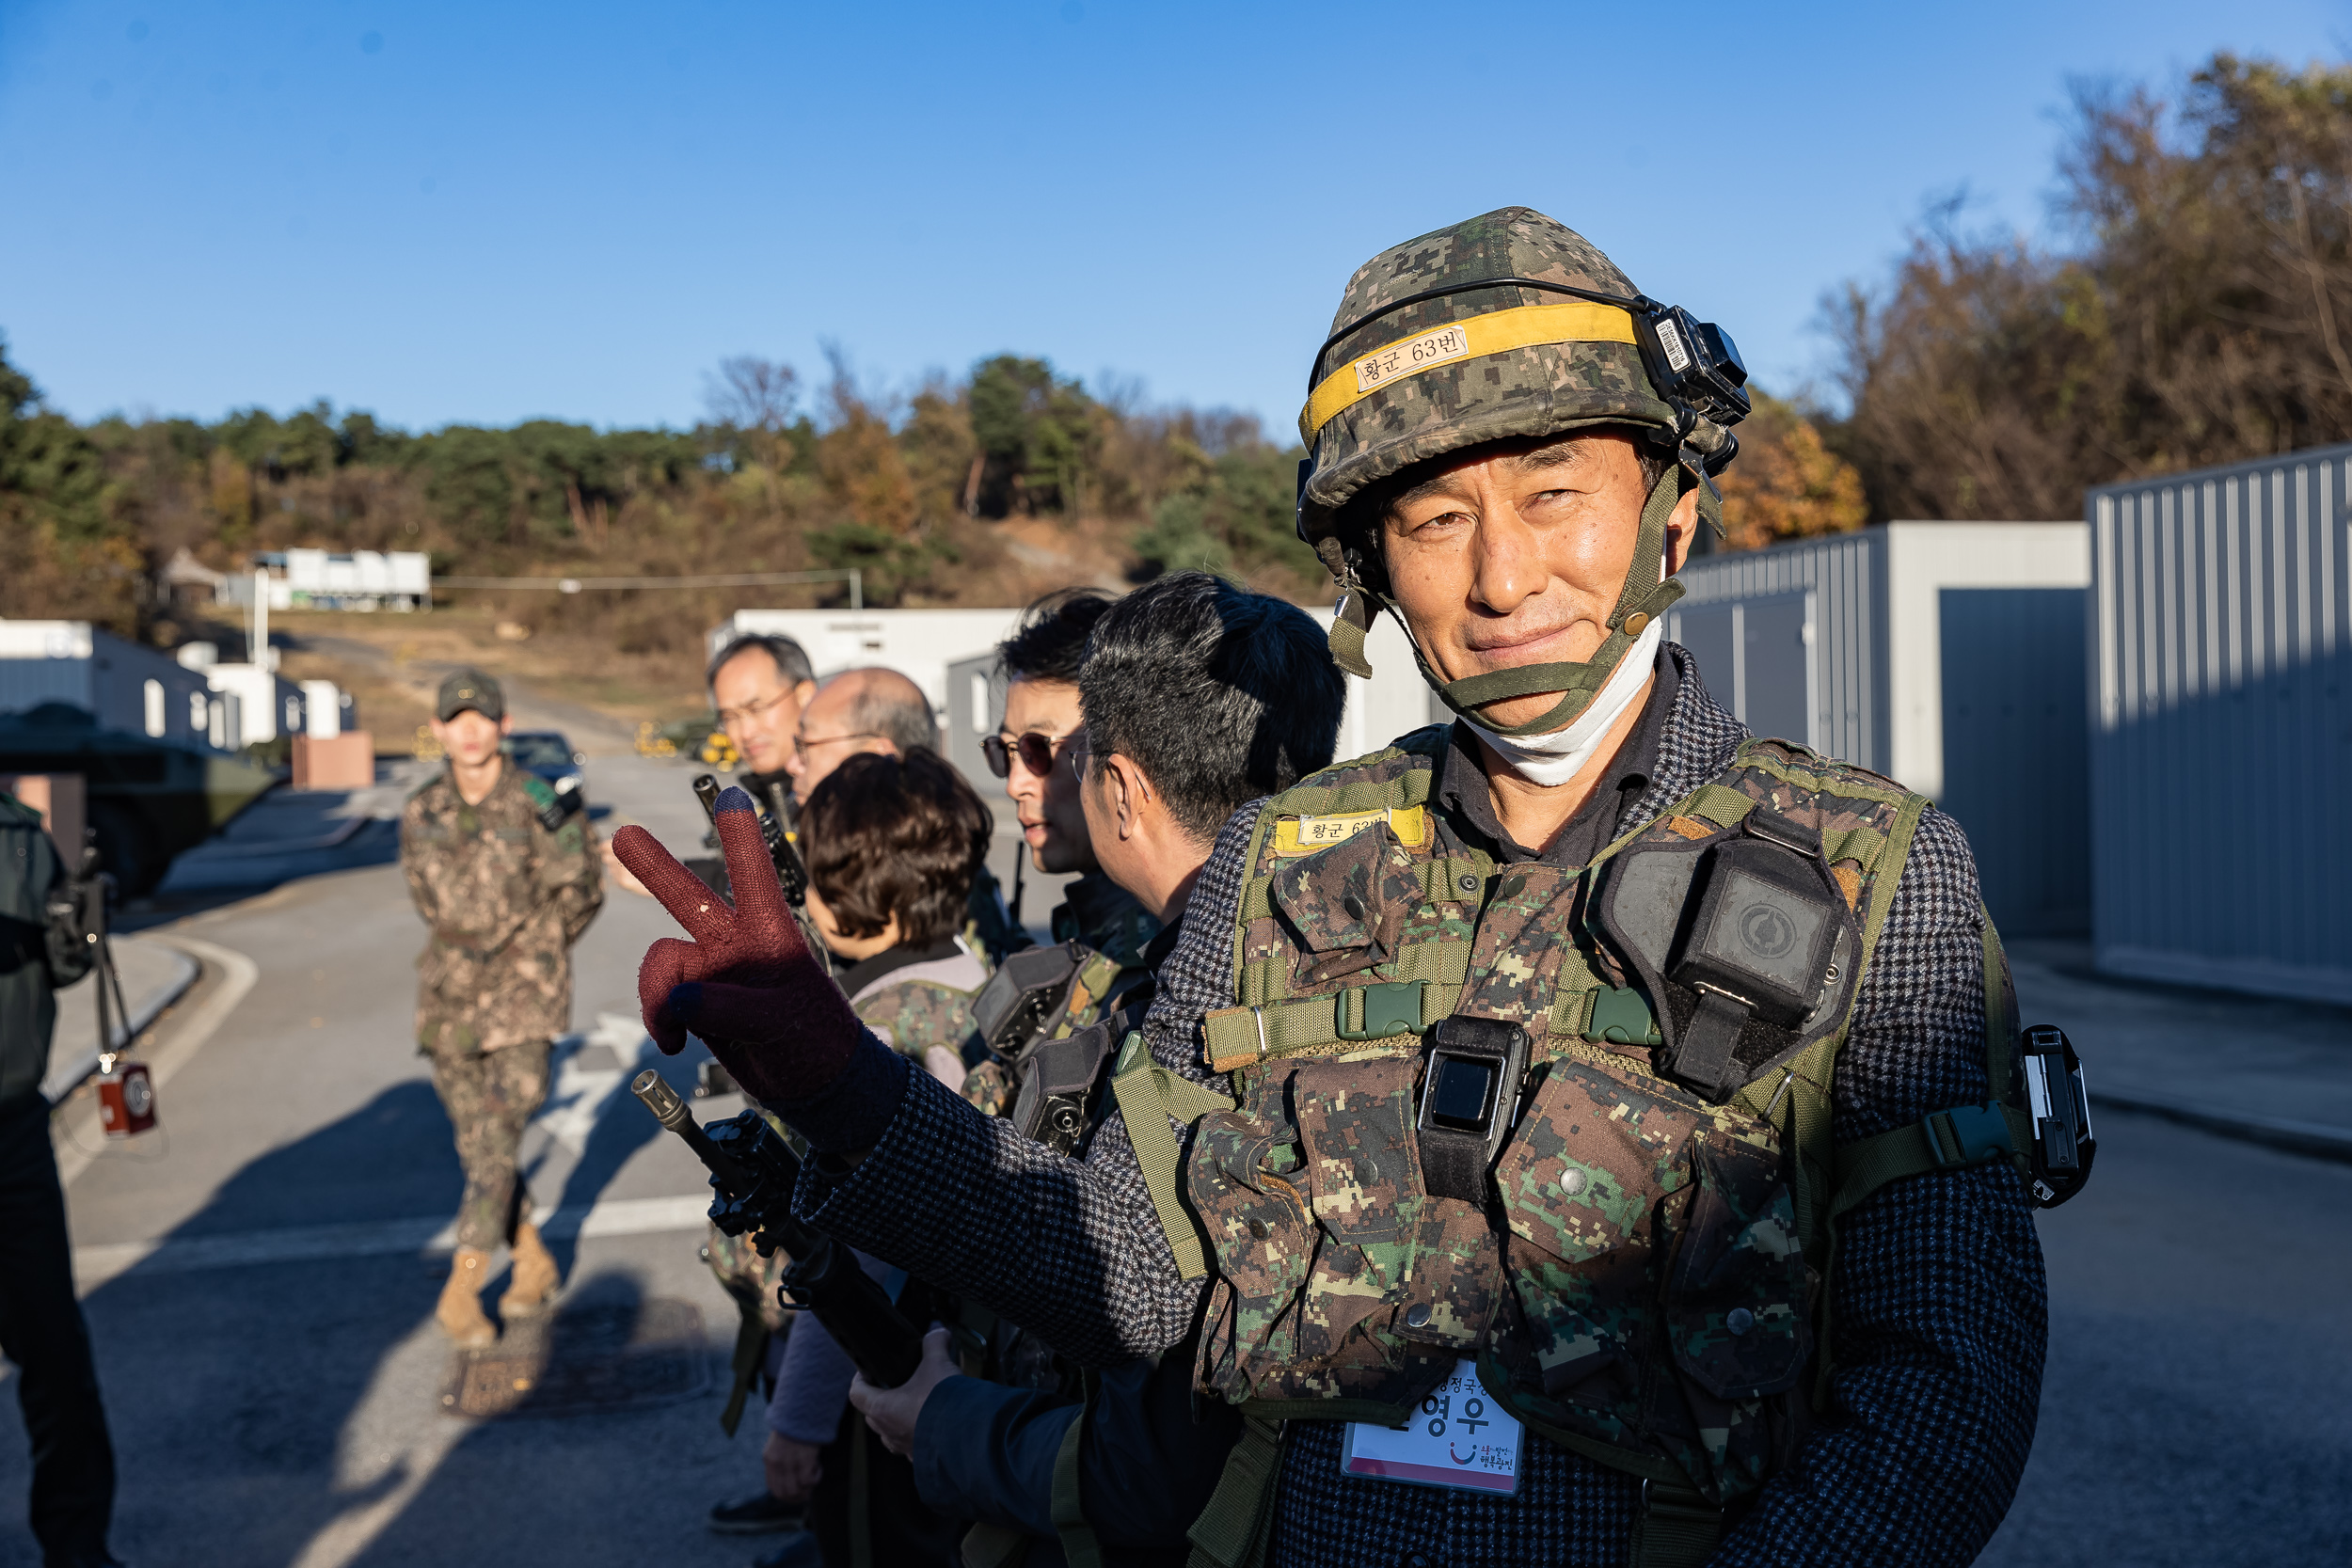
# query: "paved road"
2194,1410
259,1275
260,1280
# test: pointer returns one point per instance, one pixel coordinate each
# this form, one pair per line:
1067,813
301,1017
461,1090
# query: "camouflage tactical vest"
1642,1281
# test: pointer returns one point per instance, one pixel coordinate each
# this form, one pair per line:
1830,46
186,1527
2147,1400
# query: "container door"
2016,750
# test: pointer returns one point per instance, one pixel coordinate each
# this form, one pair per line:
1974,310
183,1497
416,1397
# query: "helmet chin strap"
1638,606
1559,755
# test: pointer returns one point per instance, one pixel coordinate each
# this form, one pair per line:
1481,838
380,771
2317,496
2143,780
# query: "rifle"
753,1171
789,871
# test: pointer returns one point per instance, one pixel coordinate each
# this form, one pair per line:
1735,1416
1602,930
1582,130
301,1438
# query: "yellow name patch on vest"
1303,836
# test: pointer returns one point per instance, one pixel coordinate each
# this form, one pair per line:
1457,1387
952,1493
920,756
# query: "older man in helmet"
1529,1119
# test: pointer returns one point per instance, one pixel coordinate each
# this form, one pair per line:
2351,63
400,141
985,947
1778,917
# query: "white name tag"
1459,1438
1416,354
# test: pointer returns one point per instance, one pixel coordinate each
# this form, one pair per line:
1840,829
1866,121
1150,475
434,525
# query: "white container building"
120,684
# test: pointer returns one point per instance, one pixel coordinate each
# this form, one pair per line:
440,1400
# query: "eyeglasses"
802,744
1037,751
730,716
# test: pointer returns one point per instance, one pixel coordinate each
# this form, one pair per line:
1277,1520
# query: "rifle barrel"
669,1110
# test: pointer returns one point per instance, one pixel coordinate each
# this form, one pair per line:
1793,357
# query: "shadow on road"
622,1128
231,1389
289,1405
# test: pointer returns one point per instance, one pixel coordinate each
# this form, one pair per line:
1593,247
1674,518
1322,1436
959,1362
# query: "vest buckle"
1977,1134
1392,1007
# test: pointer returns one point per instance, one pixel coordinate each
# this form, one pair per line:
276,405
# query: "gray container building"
2221,726
121,685
1947,656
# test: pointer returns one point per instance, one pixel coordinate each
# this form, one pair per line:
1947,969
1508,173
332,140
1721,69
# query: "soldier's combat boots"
535,1276
460,1313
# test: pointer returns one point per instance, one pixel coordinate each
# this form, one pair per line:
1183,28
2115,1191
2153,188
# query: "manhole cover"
588,1358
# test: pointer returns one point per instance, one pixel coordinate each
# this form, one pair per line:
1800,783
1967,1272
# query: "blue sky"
490,212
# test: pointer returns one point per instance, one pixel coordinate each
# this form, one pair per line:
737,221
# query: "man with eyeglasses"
758,684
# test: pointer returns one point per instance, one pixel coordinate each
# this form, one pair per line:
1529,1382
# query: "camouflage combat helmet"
1509,325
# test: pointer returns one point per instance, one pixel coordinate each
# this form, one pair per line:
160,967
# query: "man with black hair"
1035,751
759,685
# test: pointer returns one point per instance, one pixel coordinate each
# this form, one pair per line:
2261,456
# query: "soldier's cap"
1457,338
470,688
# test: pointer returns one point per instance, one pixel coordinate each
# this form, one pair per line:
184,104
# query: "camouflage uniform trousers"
490,1096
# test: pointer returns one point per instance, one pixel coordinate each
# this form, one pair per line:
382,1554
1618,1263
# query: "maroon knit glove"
747,985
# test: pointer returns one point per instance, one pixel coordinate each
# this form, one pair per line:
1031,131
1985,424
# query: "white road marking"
578,1094
424,1238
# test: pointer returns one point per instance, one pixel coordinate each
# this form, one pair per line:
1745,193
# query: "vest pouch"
1347,904
1739,1295
1740,1315
1655,1260
1244,1182
1592,1162
1340,1280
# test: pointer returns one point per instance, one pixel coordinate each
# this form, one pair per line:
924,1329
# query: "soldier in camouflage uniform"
1587,1085
506,880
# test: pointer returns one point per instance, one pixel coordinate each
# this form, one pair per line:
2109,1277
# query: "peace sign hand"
746,984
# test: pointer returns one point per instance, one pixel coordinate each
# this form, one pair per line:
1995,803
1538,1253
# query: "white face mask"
1556,758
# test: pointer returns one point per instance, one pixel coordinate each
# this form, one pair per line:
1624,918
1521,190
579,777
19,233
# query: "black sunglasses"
1037,751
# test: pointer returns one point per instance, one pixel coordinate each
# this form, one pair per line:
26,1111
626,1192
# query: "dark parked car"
546,753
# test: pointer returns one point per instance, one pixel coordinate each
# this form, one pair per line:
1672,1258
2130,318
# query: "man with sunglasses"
1038,750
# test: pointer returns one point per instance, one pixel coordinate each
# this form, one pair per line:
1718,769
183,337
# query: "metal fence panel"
2221,726
1829,595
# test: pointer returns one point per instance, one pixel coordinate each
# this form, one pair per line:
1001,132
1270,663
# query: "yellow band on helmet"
1521,327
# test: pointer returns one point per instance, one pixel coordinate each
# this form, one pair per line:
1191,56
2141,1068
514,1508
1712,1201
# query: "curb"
2312,1138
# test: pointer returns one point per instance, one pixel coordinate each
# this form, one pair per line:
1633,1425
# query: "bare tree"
752,394
2205,314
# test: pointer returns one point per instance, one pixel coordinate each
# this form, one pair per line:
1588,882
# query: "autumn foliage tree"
1786,484
2204,314
914,490
69,543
